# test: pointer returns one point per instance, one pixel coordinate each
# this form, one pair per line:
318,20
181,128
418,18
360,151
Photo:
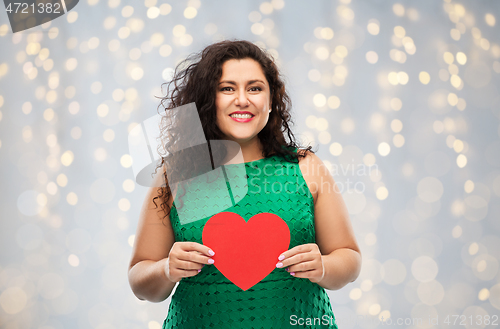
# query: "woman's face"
243,100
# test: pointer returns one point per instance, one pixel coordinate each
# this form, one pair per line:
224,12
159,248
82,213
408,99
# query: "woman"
229,77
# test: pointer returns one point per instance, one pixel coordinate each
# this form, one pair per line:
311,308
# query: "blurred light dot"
266,8
455,34
102,110
127,11
483,294
384,149
322,53
13,300
319,100
62,180
165,50
190,12
257,28
73,260
490,19
355,294
382,193
456,232
48,114
341,51
370,239
431,292
327,33
461,104
254,16
374,309
72,198
424,269
314,75
347,125
124,204
396,104
398,9
100,154
165,9
122,223
335,149
333,102
109,22
52,188
452,99
424,77
26,108
396,125
461,58
126,160
108,135
74,107
72,16
399,31
153,12
430,189
130,240
67,158
394,272
461,160
398,140
371,57
366,285
27,203
324,137
41,199
128,185
458,146
178,30
448,57
402,77
373,28
321,124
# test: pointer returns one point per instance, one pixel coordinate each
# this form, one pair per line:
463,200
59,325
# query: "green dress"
280,300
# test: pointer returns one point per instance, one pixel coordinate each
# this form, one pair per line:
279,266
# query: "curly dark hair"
196,78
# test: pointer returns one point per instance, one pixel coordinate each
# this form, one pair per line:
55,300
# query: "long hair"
196,78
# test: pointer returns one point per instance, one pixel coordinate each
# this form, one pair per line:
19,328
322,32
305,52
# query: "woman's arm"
334,234
153,241
335,259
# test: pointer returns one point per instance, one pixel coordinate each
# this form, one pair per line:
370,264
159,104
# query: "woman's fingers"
302,267
195,246
186,259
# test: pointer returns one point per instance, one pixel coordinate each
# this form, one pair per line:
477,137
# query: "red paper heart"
246,252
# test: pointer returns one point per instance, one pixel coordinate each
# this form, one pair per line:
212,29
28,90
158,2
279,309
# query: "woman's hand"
186,259
304,261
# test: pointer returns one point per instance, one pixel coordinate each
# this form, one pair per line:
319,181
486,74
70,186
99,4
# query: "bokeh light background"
408,89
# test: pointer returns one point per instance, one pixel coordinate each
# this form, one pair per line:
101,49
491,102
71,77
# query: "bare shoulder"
312,162
312,169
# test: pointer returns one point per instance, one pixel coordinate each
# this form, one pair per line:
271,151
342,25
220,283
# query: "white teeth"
241,116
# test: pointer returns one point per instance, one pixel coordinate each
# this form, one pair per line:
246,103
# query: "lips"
237,118
241,112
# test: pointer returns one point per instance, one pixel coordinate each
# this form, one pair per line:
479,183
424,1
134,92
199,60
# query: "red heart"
246,252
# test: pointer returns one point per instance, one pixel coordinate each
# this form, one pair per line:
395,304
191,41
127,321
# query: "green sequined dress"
280,300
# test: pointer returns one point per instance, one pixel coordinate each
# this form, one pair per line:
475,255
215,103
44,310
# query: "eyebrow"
249,82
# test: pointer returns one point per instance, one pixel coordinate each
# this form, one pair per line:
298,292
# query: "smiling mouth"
241,116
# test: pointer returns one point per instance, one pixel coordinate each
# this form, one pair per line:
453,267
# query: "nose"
241,99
